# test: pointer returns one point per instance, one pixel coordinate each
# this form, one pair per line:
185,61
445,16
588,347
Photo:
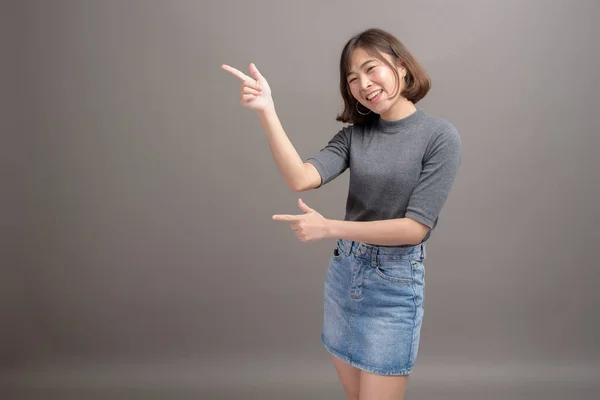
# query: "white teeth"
374,94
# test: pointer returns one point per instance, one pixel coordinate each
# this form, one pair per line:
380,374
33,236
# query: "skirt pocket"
399,271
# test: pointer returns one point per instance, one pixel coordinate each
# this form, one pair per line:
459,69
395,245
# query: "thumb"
304,207
254,72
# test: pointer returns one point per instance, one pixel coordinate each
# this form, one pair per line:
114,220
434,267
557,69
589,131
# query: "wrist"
267,111
331,231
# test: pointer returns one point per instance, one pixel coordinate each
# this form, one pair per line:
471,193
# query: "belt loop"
349,245
375,257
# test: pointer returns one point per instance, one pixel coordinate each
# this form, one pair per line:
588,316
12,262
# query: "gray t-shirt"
402,168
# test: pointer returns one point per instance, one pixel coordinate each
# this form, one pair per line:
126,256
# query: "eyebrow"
363,64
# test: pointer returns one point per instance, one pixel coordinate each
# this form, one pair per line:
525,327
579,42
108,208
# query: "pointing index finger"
236,72
286,217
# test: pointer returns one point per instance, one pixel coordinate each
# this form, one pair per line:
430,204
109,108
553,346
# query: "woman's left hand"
309,226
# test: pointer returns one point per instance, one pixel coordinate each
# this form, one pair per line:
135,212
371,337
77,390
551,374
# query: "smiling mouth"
374,94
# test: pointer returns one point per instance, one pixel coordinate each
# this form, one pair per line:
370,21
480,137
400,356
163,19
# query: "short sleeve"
441,161
333,159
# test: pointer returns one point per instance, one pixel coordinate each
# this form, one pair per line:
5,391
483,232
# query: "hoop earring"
357,110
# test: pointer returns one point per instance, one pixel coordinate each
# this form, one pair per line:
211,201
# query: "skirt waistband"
382,253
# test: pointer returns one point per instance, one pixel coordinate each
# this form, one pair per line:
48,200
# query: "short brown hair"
375,42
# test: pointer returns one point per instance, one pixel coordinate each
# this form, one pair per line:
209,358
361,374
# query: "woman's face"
373,83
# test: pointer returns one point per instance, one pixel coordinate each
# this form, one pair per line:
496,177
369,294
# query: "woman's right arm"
256,95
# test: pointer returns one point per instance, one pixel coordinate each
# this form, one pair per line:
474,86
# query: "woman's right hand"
255,92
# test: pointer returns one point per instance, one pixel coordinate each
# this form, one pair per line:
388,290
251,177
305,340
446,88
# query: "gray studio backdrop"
139,193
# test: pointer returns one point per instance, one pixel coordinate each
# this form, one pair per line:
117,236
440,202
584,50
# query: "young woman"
402,165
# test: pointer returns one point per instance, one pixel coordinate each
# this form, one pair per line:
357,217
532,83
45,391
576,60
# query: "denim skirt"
373,306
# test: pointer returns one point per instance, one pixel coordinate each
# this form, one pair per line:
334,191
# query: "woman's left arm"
312,226
391,232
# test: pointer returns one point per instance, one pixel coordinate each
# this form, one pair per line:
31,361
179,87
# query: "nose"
365,82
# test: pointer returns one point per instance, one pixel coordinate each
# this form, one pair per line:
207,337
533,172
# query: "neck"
401,109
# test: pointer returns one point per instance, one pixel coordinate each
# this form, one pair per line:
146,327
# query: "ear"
402,69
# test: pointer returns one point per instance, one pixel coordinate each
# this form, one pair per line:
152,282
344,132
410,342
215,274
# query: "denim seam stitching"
412,333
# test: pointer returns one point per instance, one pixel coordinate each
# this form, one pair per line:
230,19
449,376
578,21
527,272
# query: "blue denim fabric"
373,306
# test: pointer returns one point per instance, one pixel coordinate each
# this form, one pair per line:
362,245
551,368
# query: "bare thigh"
350,377
382,387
